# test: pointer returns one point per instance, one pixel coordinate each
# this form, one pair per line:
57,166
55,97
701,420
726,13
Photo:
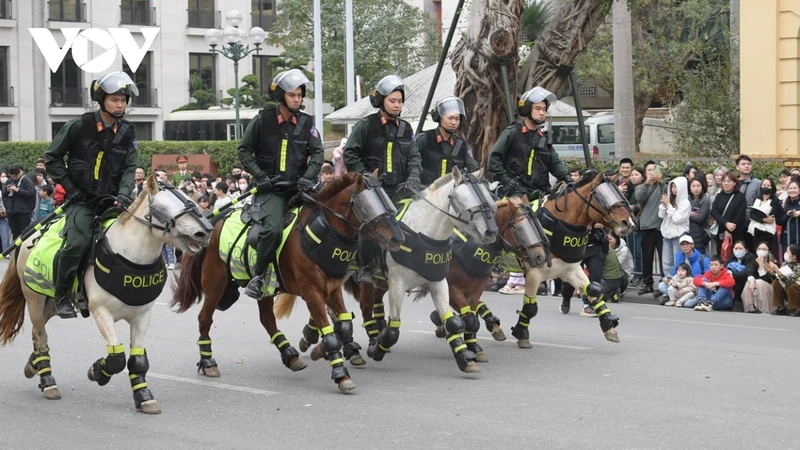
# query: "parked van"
600,132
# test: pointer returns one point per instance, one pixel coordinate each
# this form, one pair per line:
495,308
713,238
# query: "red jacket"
59,195
724,278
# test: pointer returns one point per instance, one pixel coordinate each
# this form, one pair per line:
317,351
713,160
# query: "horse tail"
188,289
284,306
12,305
352,288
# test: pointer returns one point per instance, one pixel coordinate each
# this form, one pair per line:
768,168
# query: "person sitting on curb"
682,290
714,288
690,255
785,286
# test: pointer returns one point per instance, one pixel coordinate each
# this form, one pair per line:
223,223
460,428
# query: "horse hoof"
358,361
440,333
211,372
524,343
303,345
498,334
316,353
297,364
29,370
481,357
52,393
90,374
346,385
150,407
611,335
472,367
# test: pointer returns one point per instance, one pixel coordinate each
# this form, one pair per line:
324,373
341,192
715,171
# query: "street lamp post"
235,49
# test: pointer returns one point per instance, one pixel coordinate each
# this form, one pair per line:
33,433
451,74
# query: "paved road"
679,379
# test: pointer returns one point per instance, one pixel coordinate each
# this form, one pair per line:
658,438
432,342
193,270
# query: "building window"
55,127
6,91
201,72
65,84
144,131
263,13
263,71
5,131
136,12
5,9
143,79
66,10
202,14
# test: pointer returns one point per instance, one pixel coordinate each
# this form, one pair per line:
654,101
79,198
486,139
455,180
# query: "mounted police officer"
441,148
385,142
100,148
282,144
523,156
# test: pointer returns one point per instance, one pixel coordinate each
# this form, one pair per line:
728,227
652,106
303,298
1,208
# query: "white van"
599,129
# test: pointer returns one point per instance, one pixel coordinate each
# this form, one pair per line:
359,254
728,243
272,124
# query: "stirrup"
254,286
65,309
364,275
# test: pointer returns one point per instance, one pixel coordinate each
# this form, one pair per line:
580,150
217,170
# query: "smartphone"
657,169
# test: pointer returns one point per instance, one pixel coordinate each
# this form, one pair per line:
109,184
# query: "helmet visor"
293,79
118,83
539,94
390,84
451,106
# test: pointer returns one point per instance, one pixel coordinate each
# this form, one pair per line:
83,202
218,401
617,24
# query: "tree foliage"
391,37
535,17
202,98
249,94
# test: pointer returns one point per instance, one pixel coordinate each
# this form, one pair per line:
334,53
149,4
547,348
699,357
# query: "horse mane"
441,181
123,218
332,189
587,178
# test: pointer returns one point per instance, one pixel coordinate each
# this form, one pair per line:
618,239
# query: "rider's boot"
64,305
364,275
253,289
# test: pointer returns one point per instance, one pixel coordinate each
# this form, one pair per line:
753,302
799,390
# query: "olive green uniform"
111,172
272,206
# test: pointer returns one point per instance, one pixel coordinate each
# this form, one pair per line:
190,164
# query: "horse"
352,205
565,217
160,215
452,200
520,234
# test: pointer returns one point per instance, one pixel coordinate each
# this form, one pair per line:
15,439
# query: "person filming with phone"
648,195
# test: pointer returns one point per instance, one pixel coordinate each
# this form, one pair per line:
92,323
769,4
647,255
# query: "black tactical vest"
94,166
435,162
387,154
529,158
280,153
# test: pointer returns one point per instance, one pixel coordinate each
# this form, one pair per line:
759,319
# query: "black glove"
413,183
262,182
304,184
512,186
124,200
75,196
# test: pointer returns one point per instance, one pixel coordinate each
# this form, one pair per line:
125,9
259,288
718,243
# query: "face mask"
739,253
762,253
242,187
787,257
765,190
3,179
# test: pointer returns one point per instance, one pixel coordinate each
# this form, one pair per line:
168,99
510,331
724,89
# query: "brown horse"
470,269
339,204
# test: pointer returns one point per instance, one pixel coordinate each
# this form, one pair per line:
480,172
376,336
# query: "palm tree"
535,17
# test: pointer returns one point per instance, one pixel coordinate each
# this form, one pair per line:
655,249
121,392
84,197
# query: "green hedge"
672,166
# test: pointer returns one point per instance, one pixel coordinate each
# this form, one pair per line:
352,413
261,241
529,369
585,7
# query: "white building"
35,102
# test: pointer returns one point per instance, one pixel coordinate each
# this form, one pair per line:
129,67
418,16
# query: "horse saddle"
251,216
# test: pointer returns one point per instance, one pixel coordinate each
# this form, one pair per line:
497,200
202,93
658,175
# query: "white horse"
160,215
452,200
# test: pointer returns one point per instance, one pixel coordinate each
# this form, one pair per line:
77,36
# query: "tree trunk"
562,40
491,40
624,127
642,104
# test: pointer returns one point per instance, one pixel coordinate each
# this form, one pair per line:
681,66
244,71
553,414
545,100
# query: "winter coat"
648,196
698,221
791,225
761,209
698,262
748,263
23,201
675,217
735,213
751,188
681,284
624,256
723,277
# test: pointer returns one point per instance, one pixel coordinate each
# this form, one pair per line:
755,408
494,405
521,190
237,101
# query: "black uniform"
440,155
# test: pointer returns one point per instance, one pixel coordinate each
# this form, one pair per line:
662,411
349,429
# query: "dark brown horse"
300,275
470,269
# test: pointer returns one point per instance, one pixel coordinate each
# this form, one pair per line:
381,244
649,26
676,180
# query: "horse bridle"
606,215
525,212
485,208
190,207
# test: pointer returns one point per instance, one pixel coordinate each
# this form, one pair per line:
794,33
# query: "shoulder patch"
314,132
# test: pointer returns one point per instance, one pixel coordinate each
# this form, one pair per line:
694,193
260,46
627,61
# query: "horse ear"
478,174
375,174
525,199
599,178
456,174
152,185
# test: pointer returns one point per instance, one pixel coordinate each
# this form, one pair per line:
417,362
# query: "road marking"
543,344
229,387
751,327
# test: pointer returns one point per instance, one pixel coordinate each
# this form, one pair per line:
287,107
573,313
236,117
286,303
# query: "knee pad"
594,289
138,363
453,324
311,332
389,335
471,323
330,342
436,319
344,327
530,308
115,361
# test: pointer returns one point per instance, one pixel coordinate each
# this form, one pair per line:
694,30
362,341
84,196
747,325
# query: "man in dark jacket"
19,197
100,148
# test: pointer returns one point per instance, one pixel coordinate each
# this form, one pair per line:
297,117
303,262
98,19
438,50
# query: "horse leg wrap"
454,326
311,332
488,317
40,360
138,365
436,319
287,351
607,320
104,368
529,310
594,290
386,339
344,329
332,348
372,330
471,326
379,314
206,361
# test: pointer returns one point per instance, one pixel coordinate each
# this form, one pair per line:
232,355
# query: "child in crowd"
681,287
45,201
714,288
